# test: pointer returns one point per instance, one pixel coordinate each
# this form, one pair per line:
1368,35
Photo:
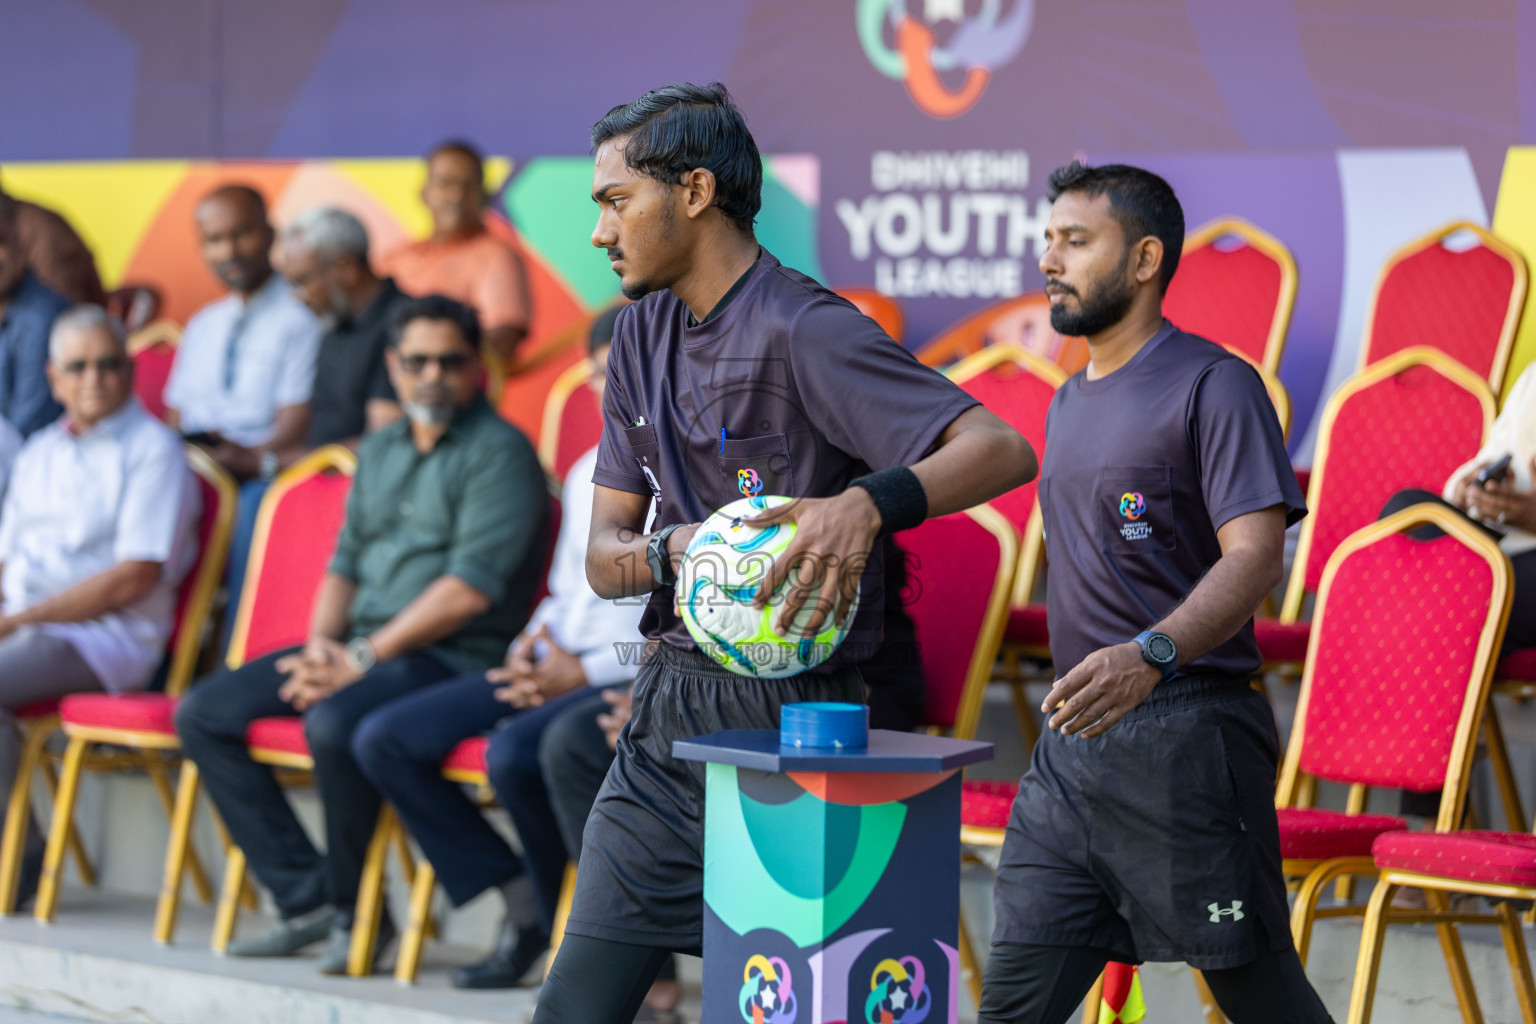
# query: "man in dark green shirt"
434,573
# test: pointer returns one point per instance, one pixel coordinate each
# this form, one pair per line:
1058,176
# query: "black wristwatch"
1159,651
657,558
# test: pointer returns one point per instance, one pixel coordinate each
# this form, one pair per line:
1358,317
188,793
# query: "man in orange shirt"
461,259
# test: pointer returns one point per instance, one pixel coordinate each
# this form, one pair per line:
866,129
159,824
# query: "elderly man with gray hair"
325,261
97,530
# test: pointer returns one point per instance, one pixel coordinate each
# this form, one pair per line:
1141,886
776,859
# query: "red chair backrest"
295,536
581,427
194,597
1464,301
151,369
882,309
960,571
1407,422
1402,641
1017,386
1235,286
572,422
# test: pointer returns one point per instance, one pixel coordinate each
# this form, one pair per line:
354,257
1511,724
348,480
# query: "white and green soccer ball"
725,564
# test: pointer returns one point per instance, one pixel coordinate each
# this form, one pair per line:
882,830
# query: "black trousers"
211,722
1029,984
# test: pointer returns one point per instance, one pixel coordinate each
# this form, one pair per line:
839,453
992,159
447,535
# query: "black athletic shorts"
1156,840
641,876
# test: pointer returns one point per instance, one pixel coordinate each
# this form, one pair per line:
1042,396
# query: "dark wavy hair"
435,307
1142,202
681,127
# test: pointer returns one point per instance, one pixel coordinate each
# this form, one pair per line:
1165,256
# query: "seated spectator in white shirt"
96,532
241,382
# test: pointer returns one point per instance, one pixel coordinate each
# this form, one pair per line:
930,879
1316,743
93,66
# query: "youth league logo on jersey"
944,79
1133,506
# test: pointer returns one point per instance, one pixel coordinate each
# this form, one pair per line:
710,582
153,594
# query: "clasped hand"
527,680
314,673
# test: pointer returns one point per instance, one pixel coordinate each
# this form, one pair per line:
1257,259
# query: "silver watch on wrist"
268,465
361,657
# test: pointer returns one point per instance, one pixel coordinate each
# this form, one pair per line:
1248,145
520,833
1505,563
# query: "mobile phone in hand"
1498,469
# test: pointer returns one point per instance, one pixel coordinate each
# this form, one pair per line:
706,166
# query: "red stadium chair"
573,421
1024,321
296,532
1498,866
882,309
1018,386
1408,421
961,572
141,722
153,351
1236,285
1393,693
1464,301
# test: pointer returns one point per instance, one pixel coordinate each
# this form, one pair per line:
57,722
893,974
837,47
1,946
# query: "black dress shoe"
517,952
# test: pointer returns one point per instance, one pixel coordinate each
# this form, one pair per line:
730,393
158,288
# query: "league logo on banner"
906,48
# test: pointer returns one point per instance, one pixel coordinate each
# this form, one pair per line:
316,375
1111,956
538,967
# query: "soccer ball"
725,563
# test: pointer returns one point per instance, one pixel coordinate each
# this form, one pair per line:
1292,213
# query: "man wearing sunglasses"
434,573
96,533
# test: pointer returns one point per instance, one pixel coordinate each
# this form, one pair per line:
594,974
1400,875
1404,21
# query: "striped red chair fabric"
1235,285
1464,300
141,722
1393,691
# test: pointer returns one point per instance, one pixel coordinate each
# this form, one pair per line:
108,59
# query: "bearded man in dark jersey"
731,374
1146,827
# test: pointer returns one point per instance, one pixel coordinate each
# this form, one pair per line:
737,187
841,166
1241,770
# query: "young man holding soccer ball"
731,375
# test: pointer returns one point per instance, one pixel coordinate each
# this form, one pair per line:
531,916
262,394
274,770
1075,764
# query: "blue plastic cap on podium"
824,725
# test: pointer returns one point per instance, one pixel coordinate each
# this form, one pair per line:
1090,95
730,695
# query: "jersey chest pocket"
1135,510
641,442
750,466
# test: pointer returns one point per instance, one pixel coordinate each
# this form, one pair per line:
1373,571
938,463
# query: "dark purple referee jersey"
809,392
1141,468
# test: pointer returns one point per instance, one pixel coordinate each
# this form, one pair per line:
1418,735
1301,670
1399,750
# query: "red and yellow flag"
1121,1000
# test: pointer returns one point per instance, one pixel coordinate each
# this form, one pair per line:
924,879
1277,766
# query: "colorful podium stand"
831,878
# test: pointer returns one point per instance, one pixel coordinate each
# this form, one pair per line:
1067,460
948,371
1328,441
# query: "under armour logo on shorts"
1235,911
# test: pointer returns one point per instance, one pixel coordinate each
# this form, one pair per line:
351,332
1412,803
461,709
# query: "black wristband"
898,496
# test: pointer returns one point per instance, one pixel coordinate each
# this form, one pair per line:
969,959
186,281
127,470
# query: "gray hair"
329,231
85,318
